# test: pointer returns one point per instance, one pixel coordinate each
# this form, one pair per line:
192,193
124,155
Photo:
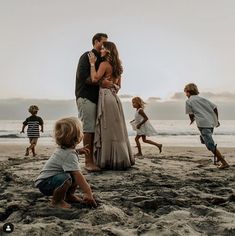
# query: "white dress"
146,129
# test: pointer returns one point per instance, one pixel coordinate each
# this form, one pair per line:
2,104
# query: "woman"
111,145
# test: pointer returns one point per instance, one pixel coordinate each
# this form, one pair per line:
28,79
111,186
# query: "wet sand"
177,192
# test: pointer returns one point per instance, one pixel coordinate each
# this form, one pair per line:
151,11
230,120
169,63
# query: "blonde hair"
191,88
68,132
139,101
33,109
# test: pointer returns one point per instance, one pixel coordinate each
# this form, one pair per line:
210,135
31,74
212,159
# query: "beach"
177,192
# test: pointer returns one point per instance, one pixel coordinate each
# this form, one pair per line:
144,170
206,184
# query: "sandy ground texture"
178,192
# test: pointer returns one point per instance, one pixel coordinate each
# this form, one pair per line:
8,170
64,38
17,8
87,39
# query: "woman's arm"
96,75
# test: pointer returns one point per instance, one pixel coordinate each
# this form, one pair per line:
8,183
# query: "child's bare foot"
160,148
216,162
62,204
223,166
73,198
27,152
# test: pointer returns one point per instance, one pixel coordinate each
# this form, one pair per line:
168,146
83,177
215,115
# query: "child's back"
203,110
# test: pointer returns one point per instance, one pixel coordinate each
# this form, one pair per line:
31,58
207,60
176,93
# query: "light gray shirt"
203,110
62,160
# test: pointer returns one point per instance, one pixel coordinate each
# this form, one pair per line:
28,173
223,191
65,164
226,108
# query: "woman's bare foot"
138,154
62,204
73,198
160,148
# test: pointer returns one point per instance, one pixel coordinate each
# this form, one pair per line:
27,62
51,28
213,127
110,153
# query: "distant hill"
17,109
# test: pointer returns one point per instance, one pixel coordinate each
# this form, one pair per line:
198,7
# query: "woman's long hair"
113,58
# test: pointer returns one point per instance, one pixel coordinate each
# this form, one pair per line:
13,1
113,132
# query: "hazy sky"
163,44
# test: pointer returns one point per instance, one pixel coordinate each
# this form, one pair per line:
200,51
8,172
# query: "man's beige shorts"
87,114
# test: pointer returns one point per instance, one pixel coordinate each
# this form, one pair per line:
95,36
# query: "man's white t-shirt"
203,110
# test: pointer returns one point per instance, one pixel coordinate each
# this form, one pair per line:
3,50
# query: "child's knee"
68,182
211,147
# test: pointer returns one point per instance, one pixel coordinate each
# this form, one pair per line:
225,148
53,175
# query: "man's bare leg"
88,140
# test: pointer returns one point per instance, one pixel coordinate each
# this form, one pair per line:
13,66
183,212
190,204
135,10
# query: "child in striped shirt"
33,122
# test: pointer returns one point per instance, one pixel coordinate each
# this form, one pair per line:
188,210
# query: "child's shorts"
48,185
206,138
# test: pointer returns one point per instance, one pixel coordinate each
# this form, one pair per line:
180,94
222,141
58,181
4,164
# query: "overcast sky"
163,44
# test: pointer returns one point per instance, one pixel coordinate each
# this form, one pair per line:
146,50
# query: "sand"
178,192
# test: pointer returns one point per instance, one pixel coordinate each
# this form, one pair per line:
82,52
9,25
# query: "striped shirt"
33,123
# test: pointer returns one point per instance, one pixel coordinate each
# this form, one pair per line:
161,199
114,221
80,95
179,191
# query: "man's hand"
218,125
107,83
138,126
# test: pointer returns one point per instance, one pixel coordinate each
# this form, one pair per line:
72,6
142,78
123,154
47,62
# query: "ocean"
170,133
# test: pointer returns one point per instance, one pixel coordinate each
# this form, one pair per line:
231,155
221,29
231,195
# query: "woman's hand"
138,126
92,58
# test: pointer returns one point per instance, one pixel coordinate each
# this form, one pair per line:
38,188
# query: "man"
87,94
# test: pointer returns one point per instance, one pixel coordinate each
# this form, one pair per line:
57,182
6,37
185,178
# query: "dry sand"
178,192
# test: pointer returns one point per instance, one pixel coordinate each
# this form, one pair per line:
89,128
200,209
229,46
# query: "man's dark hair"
98,37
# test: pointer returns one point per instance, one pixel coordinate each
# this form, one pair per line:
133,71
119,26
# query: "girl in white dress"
142,126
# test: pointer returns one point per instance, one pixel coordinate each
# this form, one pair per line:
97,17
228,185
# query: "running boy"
33,123
206,115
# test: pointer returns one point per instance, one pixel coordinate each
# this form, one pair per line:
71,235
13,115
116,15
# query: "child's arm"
141,112
23,127
217,115
84,150
81,181
192,118
42,128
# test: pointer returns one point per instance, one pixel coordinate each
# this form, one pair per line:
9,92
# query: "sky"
163,44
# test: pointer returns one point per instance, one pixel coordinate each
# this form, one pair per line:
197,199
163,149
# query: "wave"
13,135
130,133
